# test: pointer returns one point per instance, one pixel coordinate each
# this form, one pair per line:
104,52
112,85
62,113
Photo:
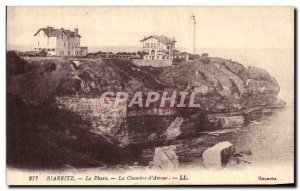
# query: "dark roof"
70,33
162,39
52,32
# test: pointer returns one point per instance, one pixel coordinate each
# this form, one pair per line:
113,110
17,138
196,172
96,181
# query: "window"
38,43
64,44
69,53
146,45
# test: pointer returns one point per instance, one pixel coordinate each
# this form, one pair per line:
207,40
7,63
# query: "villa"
59,42
158,47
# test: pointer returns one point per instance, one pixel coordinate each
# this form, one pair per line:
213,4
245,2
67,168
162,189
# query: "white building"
59,42
158,47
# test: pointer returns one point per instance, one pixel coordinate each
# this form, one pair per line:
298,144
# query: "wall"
154,63
150,48
42,41
74,42
62,45
80,51
52,42
65,45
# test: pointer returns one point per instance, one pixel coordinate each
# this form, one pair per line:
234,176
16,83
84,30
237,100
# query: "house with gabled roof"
158,47
59,42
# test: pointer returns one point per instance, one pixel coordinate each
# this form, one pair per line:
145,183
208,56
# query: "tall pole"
193,20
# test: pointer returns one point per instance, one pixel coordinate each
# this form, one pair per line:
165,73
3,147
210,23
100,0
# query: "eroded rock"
174,130
165,158
217,156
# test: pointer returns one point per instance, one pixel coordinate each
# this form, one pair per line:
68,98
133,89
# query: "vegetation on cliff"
52,115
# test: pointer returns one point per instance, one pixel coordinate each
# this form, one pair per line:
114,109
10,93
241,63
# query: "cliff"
53,109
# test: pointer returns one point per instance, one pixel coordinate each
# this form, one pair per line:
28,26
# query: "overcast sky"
125,26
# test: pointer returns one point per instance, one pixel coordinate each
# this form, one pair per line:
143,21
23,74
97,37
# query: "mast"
193,22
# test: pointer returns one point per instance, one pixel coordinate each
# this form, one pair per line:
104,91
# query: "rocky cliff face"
57,104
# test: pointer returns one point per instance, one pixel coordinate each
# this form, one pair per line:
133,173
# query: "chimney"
62,29
76,30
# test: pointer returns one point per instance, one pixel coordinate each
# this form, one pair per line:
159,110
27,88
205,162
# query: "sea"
270,139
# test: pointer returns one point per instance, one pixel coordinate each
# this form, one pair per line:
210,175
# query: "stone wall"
153,63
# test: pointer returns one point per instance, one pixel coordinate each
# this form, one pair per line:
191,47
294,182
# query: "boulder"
217,156
69,168
165,158
279,103
174,130
246,152
76,64
233,162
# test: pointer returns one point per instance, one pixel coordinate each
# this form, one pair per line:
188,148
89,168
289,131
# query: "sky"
125,26
258,36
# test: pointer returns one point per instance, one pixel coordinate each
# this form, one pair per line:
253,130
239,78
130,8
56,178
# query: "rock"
232,121
152,137
69,168
73,96
232,162
165,158
217,156
220,132
245,161
279,103
174,130
201,89
237,155
266,111
246,152
76,64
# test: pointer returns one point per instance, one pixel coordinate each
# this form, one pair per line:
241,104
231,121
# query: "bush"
177,60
